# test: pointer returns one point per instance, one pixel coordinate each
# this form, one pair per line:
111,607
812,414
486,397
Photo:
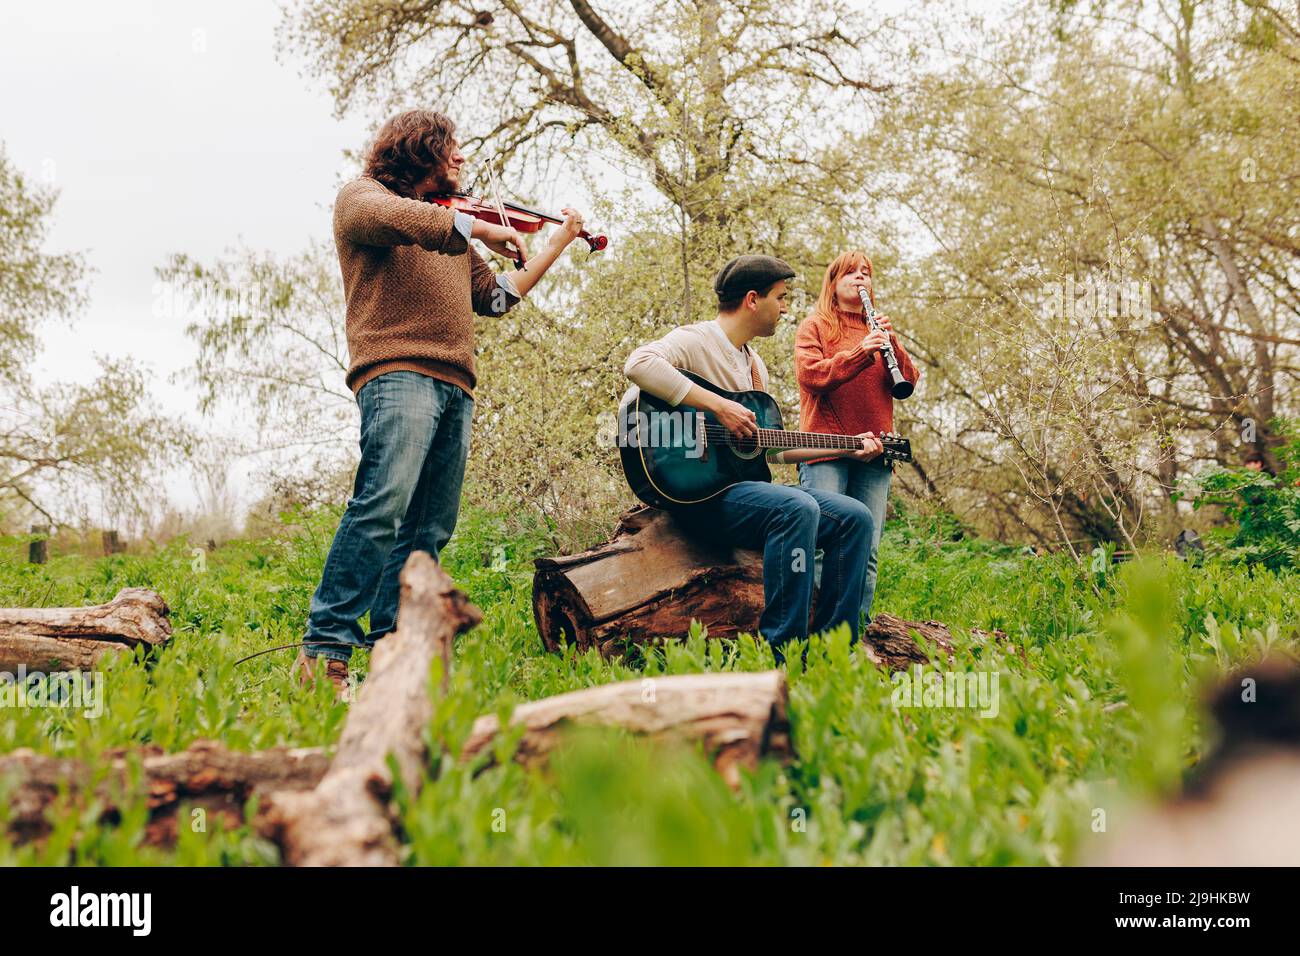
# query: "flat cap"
749,272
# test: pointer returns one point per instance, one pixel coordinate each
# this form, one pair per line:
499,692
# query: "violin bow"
501,210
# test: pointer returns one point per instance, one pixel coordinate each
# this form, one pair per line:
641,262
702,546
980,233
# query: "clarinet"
901,387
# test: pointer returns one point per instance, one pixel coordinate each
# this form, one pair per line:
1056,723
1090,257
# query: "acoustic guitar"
680,455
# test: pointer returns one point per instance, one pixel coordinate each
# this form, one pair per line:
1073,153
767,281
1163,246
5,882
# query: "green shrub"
1264,510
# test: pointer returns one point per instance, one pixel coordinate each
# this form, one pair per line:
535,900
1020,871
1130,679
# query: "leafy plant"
1097,690
1264,510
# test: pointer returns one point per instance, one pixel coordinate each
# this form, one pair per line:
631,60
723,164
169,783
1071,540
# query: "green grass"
872,783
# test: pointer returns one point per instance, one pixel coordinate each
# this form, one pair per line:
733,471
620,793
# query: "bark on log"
345,820
207,775
889,641
738,717
648,581
651,579
78,638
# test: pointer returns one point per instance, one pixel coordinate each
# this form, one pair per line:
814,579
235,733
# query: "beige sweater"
412,285
702,348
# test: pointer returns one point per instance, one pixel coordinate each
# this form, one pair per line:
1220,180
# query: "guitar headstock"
897,448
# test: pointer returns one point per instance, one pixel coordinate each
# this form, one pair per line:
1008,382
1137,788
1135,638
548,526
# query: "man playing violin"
787,524
413,285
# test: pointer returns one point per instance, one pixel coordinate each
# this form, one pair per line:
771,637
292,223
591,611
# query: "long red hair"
827,307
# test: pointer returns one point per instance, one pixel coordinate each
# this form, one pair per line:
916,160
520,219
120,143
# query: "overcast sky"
166,127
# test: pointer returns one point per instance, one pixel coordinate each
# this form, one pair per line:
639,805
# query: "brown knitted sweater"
412,285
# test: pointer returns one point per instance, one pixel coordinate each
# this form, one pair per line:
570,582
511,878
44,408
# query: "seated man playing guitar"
786,523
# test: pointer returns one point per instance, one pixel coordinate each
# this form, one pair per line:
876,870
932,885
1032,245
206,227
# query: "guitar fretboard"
780,438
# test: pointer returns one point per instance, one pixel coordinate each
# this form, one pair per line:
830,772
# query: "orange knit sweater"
844,390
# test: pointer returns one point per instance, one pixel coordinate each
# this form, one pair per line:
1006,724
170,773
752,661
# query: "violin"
519,218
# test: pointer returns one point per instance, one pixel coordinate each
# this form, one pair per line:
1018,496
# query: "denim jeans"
864,481
414,443
788,525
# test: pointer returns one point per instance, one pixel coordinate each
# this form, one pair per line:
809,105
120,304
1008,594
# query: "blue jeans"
864,481
788,525
414,443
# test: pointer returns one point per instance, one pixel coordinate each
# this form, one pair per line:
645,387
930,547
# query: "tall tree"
713,103
63,444
1133,148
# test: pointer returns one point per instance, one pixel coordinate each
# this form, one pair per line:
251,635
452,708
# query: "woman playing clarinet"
846,387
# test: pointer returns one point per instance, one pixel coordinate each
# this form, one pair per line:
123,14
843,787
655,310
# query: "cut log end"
80,638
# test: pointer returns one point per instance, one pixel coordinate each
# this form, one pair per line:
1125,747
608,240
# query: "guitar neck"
779,438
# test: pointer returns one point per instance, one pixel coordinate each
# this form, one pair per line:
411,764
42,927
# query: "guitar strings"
804,439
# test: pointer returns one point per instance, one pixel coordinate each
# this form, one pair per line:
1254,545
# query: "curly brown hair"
408,147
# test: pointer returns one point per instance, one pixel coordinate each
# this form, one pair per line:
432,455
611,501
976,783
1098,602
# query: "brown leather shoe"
336,672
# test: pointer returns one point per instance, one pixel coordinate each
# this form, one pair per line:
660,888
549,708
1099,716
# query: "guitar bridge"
701,436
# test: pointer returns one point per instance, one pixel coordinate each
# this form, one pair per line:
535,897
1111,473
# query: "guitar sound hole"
744,447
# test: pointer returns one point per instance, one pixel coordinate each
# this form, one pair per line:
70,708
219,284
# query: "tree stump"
345,820
112,542
651,579
78,638
207,776
737,717
37,548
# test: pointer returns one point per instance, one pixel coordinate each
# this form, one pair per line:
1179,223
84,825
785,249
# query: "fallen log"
345,820
206,776
889,641
739,718
79,638
651,579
